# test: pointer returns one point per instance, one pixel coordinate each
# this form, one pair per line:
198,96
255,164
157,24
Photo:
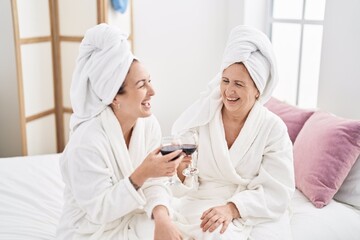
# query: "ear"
116,103
115,100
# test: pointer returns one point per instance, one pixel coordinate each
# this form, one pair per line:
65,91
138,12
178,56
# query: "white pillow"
349,191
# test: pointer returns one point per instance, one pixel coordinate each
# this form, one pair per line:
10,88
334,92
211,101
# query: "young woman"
111,165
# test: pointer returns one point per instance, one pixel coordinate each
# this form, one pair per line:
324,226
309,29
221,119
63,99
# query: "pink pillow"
293,117
324,152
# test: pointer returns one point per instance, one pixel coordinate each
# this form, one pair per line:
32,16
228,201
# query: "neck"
127,125
233,117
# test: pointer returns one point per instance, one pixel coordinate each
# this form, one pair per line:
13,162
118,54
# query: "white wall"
9,111
256,13
181,43
339,84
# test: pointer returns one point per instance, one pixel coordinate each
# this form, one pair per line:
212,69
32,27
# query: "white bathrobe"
100,202
256,174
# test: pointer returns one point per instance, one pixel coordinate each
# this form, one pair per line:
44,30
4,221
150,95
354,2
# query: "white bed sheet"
31,197
336,221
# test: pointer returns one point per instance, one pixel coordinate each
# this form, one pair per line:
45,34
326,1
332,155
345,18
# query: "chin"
146,114
230,107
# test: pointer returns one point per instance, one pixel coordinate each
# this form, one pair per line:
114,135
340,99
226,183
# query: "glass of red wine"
189,140
170,144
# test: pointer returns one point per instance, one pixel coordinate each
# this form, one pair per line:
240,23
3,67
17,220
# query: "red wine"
169,149
189,149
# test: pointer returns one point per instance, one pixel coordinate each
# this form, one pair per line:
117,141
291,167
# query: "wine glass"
189,145
170,144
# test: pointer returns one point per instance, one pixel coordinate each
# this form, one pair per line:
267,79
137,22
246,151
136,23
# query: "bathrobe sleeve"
180,190
268,194
91,182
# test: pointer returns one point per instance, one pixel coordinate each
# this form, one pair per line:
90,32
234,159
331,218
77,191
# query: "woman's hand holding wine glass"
169,145
189,145
165,165
186,161
157,165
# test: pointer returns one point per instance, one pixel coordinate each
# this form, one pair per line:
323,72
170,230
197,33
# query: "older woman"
246,177
109,165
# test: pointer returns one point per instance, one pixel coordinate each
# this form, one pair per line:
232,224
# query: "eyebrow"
237,81
142,80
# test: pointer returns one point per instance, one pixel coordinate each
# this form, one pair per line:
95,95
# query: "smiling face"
238,90
136,95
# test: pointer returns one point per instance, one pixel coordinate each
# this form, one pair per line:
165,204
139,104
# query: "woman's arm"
91,183
164,227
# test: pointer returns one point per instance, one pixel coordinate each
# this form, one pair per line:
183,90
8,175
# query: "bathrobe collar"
228,159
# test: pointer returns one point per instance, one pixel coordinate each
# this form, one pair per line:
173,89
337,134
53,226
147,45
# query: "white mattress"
335,221
31,199
31,203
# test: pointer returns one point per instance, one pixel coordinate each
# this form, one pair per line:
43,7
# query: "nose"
229,89
151,91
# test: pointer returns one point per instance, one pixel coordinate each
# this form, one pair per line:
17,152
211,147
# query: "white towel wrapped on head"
101,67
254,50
249,46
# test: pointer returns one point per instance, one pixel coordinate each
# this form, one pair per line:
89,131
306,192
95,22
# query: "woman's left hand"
214,217
166,230
186,161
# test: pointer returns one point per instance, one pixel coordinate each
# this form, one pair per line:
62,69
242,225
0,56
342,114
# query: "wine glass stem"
190,164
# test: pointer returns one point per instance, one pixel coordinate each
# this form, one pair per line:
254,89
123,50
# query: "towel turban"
101,67
249,46
254,50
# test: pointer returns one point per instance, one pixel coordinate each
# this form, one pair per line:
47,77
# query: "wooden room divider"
47,34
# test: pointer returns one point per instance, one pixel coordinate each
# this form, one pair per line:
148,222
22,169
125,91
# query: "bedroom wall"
339,84
161,35
182,48
256,13
10,133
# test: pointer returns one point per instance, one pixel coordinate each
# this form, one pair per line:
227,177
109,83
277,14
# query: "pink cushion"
293,117
324,152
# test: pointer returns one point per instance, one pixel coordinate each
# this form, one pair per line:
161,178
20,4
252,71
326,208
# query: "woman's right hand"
157,165
166,230
164,227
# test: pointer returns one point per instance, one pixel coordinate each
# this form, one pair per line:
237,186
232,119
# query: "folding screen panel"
47,36
35,75
72,28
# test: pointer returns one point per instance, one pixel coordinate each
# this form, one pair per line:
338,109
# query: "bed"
31,202
31,197
31,187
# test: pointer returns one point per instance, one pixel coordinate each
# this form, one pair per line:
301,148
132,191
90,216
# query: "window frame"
302,22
